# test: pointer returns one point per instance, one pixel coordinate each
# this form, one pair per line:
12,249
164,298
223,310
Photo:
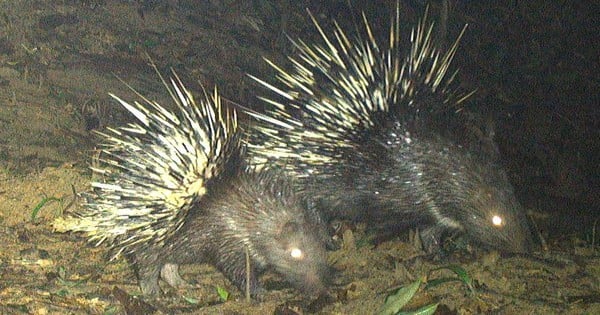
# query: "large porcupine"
379,135
174,190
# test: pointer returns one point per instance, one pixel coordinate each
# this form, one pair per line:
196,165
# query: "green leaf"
461,274
435,282
425,310
395,302
191,300
223,294
42,203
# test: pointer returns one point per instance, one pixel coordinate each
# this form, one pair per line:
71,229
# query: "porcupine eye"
296,253
497,221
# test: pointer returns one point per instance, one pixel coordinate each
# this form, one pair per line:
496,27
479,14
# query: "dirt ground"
59,60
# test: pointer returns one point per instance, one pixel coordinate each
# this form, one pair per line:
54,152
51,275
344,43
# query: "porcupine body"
174,190
380,136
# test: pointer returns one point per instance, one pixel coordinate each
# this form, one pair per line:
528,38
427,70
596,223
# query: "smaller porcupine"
380,136
174,190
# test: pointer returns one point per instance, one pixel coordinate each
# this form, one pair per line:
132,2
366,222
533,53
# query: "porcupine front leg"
235,270
431,238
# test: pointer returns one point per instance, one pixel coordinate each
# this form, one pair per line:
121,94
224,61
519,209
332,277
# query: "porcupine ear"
153,170
290,228
483,131
287,233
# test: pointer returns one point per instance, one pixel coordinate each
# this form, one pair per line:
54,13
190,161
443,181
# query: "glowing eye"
296,253
497,220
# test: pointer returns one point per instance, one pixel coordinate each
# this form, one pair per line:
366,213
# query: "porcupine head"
172,190
379,134
272,228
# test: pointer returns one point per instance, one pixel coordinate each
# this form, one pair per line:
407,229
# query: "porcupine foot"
433,240
170,274
236,273
257,291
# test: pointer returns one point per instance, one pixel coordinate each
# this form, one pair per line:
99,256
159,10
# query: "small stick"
247,273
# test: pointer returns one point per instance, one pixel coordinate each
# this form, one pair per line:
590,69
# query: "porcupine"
174,190
381,136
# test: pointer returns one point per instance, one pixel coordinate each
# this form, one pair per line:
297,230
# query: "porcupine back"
174,190
379,135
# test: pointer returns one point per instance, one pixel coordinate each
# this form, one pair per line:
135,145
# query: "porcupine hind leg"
147,268
148,275
151,264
